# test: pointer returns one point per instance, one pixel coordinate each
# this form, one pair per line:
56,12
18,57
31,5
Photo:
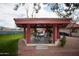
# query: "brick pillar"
55,33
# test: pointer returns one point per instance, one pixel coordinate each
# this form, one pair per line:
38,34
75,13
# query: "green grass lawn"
9,44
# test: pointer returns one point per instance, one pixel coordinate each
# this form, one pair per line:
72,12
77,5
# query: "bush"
63,41
50,41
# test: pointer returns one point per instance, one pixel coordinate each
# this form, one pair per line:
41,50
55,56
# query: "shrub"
63,41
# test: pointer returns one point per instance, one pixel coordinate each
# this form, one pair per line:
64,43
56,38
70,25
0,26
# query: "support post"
27,34
24,32
55,33
58,34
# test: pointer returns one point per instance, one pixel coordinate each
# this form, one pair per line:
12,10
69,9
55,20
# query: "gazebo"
72,27
54,23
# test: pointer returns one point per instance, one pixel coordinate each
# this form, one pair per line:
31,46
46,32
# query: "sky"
7,13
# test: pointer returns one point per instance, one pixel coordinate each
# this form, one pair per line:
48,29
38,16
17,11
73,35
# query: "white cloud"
7,14
75,16
45,13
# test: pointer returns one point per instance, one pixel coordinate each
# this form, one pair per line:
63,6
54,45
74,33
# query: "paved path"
70,49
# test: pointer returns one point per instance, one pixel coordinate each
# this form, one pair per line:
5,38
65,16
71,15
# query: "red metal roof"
21,21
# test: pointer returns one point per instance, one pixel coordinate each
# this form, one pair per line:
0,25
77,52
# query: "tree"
35,8
66,12
1,28
70,8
